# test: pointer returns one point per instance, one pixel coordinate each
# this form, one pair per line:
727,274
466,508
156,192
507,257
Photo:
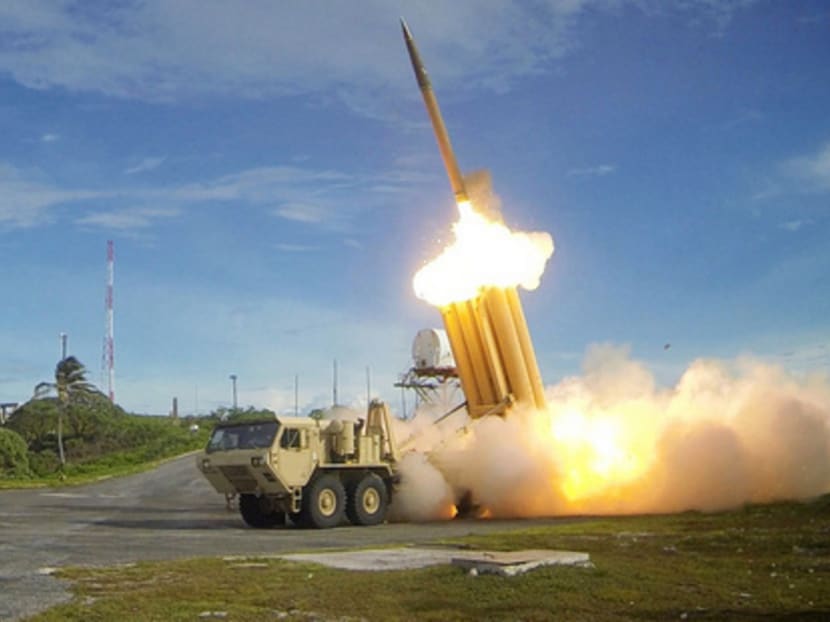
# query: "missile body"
441,135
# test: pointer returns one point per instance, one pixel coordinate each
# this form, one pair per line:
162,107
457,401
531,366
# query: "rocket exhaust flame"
605,442
610,442
484,254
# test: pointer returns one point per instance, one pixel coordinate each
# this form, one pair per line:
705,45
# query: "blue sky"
271,183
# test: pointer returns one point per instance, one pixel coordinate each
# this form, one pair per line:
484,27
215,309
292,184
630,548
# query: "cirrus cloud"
168,51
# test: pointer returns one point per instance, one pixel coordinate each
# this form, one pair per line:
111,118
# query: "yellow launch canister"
493,353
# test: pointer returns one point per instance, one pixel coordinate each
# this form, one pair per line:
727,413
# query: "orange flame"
484,253
596,453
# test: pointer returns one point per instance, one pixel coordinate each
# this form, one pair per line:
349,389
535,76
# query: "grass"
160,441
111,466
759,562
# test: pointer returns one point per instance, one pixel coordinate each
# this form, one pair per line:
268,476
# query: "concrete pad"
518,562
506,564
379,559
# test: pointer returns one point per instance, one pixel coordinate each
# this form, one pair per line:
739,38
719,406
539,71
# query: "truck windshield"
243,436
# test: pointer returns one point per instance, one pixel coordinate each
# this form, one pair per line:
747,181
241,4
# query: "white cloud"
716,13
147,164
302,212
329,199
770,190
263,185
49,138
326,198
593,171
164,51
317,197
804,174
161,50
794,225
127,219
813,169
28,200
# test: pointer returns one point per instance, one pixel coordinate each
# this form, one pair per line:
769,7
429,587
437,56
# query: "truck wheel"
323,502
368,501
258,512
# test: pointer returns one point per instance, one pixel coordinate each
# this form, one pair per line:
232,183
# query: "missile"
441,135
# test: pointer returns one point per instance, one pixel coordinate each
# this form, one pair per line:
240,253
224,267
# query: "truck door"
294,459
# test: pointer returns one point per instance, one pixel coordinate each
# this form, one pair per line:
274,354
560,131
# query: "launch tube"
501,385
526,344
452,324
509,347
467,314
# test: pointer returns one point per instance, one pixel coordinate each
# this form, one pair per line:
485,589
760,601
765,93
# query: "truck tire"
324,502
368,501
257,512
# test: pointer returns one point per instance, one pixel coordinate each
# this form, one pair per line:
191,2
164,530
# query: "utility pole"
233,381
64,338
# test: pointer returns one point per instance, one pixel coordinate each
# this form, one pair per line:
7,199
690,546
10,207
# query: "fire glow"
595,452
484,253
610,441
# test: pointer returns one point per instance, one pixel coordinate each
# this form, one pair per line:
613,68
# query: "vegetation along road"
168,513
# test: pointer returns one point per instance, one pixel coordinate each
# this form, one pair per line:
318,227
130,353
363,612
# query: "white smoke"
611,441
425,494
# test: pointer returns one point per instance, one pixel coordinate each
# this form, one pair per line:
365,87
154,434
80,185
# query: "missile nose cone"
417,64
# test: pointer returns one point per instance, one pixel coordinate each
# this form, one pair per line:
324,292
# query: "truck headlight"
257,461
205,464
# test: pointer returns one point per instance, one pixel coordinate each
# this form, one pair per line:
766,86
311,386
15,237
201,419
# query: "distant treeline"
99,437
96,434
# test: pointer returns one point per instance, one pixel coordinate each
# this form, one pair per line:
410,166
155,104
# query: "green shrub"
99,438
36,421
44,463
14,459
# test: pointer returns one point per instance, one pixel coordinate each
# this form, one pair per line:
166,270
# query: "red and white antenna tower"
109,342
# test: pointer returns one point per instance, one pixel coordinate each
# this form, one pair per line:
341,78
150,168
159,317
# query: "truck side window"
290,439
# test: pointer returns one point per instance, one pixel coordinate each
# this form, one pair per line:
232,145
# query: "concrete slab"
379,559
518,562
505,564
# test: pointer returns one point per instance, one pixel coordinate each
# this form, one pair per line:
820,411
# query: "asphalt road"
170,512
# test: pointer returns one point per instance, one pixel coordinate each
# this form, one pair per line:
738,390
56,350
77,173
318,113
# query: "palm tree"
70,385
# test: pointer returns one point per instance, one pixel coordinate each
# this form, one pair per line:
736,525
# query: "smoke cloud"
612,441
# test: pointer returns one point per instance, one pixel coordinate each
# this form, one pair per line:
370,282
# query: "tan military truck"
317,472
